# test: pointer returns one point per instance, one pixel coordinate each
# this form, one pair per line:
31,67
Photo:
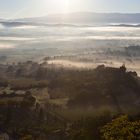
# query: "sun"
64,6
58,6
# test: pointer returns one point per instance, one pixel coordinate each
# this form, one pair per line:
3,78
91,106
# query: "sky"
34,8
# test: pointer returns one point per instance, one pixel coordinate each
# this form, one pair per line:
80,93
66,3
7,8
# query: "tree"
41,116
28,100
123,68
121,129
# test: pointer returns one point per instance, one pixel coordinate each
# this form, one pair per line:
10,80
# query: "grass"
6,100
59,102
26,83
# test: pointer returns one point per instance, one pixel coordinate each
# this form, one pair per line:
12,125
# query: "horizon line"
52,14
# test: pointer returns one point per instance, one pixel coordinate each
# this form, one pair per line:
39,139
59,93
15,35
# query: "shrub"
120,129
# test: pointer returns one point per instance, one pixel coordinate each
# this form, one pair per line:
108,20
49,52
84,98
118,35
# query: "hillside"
56,102
104,86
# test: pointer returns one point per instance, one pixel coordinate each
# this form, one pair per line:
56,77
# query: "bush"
121,129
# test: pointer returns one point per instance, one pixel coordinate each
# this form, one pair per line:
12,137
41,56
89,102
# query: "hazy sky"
32,8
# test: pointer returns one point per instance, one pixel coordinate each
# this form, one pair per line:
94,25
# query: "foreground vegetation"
39,102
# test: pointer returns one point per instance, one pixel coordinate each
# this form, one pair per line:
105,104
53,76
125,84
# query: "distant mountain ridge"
87,17
77,19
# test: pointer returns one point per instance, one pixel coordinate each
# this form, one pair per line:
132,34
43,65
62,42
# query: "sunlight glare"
65,6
